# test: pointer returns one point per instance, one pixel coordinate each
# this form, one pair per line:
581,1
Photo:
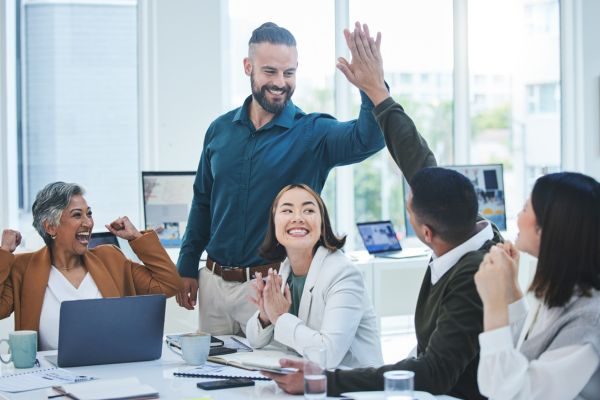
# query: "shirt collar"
440,265
285,118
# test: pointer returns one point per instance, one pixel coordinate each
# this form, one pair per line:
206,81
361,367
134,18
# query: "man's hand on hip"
189,294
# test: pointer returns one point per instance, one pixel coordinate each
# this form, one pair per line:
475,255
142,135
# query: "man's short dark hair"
272,33
445,200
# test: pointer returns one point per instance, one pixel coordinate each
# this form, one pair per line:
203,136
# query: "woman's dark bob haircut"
567,210
271,249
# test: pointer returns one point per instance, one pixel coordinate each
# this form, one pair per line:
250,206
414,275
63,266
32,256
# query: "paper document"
39,378
111,389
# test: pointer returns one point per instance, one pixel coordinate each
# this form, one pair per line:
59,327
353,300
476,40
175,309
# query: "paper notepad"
38,378
111,389
264,357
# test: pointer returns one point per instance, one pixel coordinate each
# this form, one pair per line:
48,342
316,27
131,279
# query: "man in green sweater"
449,313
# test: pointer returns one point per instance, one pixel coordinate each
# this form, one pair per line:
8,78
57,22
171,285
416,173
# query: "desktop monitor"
167,203
488,180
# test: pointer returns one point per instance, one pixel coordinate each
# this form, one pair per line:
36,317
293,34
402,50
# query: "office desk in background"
159,375
392,285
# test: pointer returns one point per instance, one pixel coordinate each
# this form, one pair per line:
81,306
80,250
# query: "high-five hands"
365,71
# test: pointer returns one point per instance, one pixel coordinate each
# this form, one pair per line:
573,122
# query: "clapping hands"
497,283
268,297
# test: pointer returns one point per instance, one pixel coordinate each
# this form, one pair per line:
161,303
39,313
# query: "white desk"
159,374
393,284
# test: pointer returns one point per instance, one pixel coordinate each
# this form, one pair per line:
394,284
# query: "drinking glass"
399,385
315,365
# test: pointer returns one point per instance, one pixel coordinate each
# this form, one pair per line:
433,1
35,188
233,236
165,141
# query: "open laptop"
380,240
99,238
112,330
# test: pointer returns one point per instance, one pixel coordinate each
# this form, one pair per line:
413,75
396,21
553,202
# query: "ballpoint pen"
246,347
62,392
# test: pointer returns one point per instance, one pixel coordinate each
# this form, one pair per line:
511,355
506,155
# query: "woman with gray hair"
32,285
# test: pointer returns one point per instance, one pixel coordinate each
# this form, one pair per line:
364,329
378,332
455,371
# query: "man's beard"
260,95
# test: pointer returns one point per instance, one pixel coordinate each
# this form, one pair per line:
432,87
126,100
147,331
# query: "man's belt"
238,274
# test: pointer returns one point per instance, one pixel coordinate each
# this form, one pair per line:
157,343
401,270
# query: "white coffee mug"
194,348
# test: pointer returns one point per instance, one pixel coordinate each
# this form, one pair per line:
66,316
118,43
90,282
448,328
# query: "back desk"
392,285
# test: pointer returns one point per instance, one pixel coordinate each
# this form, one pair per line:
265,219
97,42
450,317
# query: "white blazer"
335,311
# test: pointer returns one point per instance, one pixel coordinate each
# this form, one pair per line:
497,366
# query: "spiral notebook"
38,379
214,370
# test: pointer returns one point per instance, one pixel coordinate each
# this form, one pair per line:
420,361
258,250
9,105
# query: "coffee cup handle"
171,347
10,355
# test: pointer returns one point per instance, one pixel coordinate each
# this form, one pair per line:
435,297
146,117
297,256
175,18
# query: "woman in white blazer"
319,298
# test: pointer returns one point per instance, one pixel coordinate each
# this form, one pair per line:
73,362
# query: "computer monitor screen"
167,202
488,180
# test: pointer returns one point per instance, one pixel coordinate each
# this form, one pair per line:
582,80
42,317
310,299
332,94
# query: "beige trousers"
225,307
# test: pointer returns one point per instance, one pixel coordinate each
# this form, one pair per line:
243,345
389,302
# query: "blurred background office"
97,91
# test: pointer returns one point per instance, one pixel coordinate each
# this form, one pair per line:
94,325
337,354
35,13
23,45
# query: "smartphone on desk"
219,351
225,384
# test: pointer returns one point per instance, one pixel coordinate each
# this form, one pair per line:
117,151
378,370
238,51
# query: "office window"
417,52
514,47
514,86
79,103
315,39
543,98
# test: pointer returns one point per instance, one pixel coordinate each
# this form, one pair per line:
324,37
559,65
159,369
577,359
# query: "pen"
62,393
247,348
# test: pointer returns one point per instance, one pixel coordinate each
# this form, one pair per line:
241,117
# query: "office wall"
183,84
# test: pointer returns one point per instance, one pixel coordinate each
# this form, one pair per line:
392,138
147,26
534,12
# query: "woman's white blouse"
505,373
60,289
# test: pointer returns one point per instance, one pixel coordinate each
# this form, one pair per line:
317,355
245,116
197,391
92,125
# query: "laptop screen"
110,330
99,238
379,236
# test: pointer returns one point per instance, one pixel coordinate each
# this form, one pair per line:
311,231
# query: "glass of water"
315,365
399,385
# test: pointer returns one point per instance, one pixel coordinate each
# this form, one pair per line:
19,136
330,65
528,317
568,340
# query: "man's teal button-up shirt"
242,169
